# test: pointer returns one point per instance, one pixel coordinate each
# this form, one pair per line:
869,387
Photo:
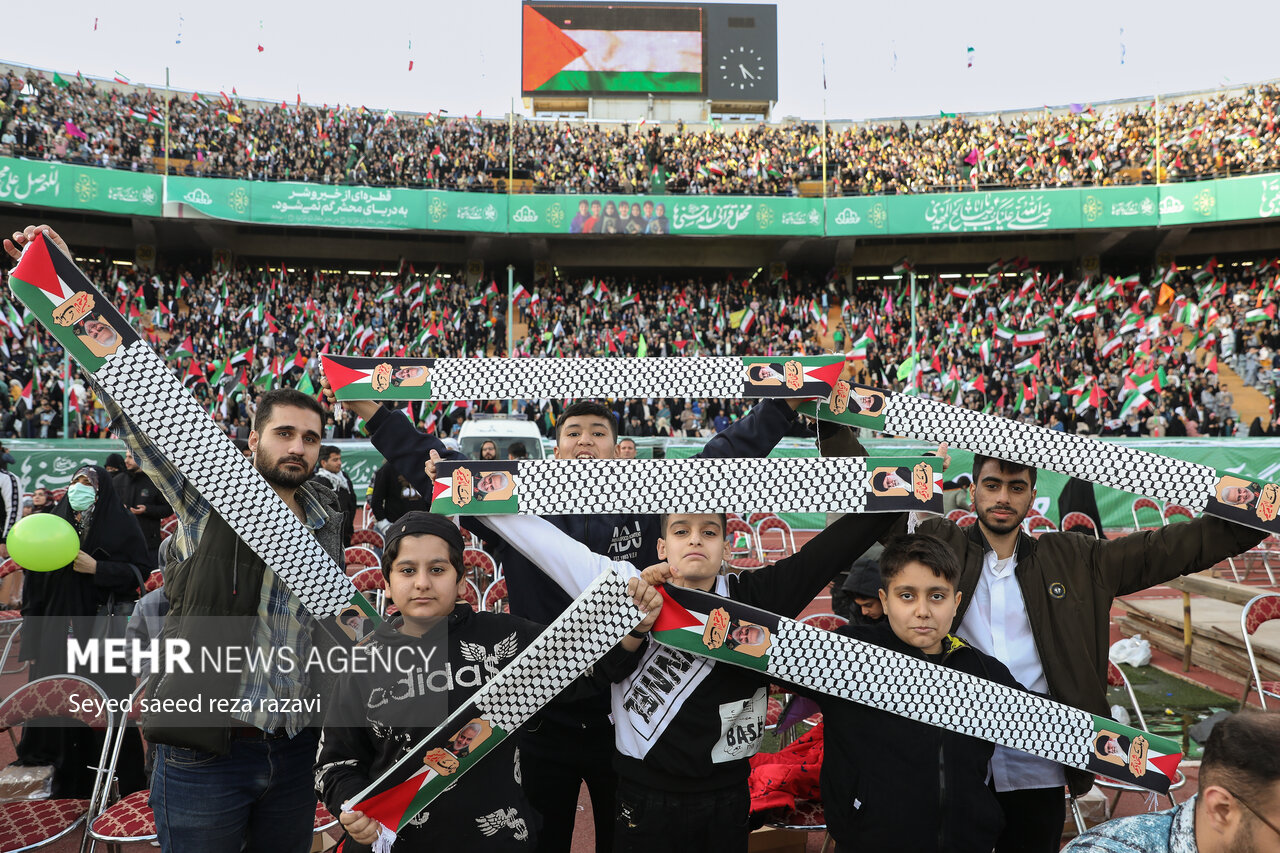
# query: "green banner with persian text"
48,184
339,206
657,215
1252,197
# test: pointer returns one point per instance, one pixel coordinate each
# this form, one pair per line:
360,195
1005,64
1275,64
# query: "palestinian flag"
613,49
1258,315
358,378
859,350
186,349
78,318
803,374
1027,365
689,624
476,488
1134,403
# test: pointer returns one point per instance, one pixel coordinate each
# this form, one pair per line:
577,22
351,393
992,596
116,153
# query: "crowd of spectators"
1140,366
235,333
219,135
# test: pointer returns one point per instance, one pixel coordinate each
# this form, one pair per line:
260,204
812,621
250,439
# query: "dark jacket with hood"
630,537
64,599
383,715
890,783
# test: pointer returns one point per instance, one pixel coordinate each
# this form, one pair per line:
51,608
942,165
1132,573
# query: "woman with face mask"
64,603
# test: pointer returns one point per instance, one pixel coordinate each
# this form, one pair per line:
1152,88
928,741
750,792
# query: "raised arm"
1142,560
572,565
755,434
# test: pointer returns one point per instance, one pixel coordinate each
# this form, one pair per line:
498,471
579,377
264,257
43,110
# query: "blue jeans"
258,798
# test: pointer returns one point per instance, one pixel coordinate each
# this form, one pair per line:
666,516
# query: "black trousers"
554,762
1033,820
649,820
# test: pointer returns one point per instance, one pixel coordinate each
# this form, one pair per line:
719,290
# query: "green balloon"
43,542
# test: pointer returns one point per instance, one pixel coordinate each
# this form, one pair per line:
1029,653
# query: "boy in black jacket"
375,717
890,783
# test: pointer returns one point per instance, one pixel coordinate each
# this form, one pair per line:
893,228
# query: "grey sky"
467,54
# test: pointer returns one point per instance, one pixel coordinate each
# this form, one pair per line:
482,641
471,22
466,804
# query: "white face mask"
80,496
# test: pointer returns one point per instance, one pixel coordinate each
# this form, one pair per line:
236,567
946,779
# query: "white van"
503,430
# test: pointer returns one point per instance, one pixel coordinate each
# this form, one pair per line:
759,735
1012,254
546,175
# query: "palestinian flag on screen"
589,47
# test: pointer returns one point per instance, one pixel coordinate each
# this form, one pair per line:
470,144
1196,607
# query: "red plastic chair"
155,580
1073,520
1032,523
470,594
368,536
10,622
371,580
480,564
740,541
1260,609
495,597
360,555
31,824
1177,512
129,819
825,621
786,539
1146,503
756,517
957,514
968,520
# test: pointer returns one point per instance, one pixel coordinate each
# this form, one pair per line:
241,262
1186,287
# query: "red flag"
1212,366
1095,396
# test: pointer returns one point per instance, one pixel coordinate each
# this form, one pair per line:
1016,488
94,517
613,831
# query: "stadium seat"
1177,512
361,555
740,541
495,597
771,528
370,537
1034,523
470,594
480,565
957,514
32,824
1146,503
1073,521
1260,610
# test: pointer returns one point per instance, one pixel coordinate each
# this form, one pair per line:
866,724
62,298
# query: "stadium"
1021,280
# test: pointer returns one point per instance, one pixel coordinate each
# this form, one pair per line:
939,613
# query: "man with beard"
1041,606
489,450
223,597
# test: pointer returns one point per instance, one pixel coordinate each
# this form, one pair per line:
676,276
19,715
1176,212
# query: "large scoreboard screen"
722,50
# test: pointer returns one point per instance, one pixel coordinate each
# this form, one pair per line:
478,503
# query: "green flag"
305,386
60,81
642,349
